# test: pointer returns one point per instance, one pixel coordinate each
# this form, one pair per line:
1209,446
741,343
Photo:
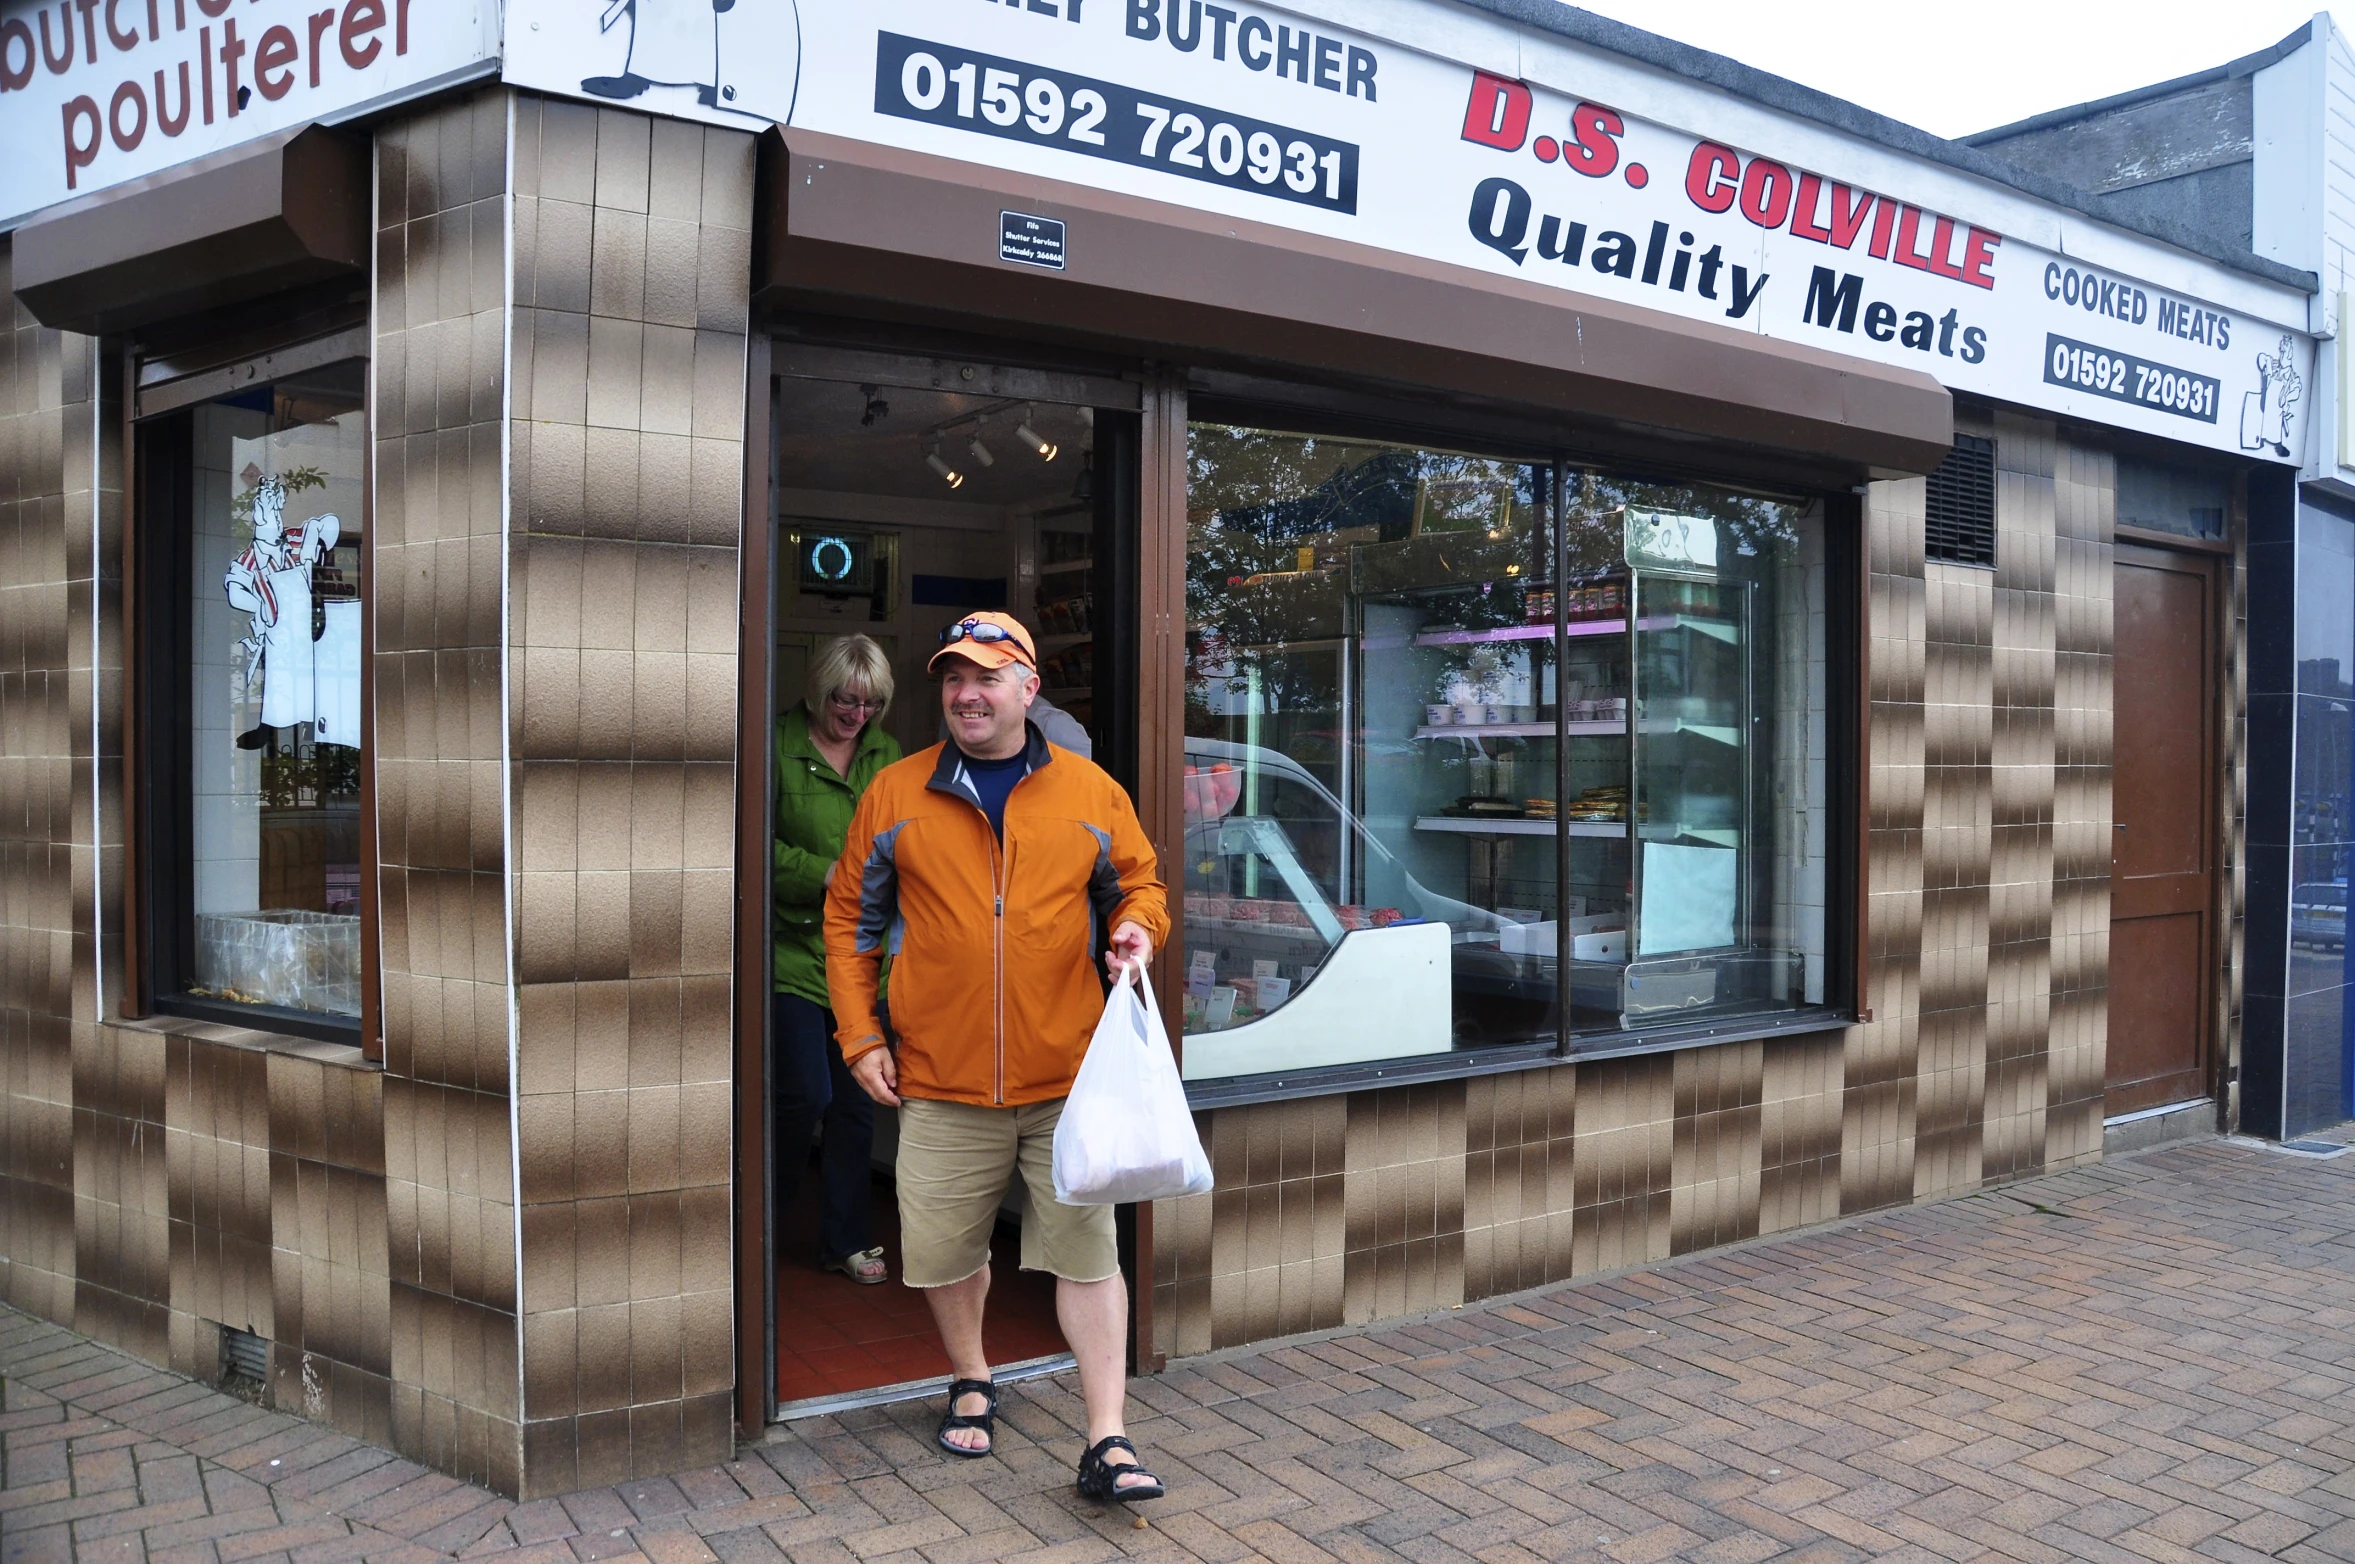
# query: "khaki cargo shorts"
955,1160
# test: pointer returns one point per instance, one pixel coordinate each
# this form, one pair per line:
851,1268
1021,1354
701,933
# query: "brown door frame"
756,656
1161,743
2202,561
1160,626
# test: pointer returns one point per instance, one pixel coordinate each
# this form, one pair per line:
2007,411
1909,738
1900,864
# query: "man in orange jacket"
988,870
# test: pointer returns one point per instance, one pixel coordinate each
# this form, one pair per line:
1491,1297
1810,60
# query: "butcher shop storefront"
1669,639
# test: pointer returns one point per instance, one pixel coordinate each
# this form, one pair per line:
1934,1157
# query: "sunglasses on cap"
982,633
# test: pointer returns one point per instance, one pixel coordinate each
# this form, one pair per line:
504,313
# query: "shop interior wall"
1988,823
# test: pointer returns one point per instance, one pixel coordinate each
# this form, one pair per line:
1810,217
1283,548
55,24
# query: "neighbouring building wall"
633,256
2185,157
1985,946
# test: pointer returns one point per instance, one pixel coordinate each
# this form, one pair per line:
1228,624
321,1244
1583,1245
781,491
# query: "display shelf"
1720,629
1609,830
1066,638
1491,730
1478,637
1064,567
1290,931
1657,727
1502,825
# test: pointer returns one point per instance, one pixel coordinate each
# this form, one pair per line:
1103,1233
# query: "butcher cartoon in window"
2265,412
272,581
677,43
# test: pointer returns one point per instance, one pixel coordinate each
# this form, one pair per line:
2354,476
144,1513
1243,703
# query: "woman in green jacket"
829,747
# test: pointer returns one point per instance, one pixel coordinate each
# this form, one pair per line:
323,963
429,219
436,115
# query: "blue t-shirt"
992,780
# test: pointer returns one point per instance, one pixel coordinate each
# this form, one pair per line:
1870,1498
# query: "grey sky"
1956,69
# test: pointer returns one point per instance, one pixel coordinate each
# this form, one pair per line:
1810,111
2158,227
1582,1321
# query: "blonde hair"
844,661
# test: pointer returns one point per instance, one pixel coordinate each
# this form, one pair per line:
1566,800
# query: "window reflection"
1437,800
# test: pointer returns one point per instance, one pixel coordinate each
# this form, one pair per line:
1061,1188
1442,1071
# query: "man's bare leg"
1094,1317
957,1313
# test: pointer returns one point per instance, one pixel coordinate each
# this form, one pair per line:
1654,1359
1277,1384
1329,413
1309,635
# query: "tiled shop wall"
156,1182
610,520
633,258
1986,950
559,493
440,383
48,386
574,525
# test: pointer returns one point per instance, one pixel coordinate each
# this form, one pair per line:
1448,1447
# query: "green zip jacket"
814,806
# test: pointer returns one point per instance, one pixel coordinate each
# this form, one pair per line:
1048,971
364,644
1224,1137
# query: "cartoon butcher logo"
677,43
271,580
2265,412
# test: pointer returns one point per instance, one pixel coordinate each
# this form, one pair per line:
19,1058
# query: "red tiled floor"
835,1337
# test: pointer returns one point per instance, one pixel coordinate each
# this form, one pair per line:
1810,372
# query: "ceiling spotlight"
949,475
1045,447
1085,489
876,408
980,451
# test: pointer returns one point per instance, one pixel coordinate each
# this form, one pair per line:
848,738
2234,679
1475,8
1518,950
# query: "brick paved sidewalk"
2149,1359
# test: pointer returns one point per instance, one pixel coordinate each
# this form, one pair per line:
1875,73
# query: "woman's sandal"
985,1420
867,1267
1100,1479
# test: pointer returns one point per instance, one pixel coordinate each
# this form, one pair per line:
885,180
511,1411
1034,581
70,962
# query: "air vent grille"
1960,515
244,1355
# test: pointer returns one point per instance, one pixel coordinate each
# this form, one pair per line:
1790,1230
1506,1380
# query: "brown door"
2163,839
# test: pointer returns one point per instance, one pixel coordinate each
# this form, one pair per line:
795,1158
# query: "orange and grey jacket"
995,988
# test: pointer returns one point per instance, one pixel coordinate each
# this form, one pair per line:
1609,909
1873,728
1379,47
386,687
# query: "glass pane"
1371,866
274,695
2187,501
1727,743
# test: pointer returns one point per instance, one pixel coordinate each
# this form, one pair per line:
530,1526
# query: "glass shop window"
2164,497
1471,764
269,883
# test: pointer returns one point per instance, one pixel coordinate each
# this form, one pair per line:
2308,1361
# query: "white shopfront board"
97,92
1444,133
1415,126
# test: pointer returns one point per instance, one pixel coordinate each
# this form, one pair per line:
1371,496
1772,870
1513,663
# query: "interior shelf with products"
1063,620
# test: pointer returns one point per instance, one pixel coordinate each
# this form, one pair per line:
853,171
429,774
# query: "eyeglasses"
982,633
844,702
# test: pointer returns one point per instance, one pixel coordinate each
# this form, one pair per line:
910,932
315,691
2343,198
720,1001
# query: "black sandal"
1100,1479
985,1420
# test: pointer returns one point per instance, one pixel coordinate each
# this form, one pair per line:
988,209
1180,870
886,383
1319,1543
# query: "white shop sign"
1254,112
96,92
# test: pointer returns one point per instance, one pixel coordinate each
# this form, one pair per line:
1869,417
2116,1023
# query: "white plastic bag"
1126,1133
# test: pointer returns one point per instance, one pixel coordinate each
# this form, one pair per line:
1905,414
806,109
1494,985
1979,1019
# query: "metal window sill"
1238,1091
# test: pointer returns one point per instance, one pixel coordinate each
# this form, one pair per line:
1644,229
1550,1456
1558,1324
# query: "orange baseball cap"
989,638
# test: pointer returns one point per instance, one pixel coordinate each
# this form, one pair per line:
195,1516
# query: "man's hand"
1131,947
877,1073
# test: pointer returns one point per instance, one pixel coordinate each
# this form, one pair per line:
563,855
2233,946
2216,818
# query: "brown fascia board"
844,220
289,209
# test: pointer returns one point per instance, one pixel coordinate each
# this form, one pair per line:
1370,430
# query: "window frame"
159,431
1847,736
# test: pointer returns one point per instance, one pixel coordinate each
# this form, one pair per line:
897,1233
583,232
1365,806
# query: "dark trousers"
813,1085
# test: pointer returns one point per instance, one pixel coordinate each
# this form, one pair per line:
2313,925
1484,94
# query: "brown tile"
603,1357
